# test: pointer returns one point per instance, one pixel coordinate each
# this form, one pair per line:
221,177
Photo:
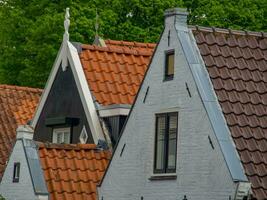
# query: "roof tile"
115,72
239,80
72,171
17,106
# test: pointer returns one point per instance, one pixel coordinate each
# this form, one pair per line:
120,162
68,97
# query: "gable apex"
70,53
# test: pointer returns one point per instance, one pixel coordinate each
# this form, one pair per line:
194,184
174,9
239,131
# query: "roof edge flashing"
34,166
211,104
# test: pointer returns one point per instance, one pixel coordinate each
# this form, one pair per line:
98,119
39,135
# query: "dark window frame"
16,172
168,77
165,169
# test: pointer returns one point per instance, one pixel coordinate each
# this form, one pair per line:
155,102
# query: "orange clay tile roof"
115,72
237,65
72,171
147,47
17,106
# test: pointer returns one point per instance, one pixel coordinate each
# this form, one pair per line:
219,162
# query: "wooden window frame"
168,77
16,172
165,169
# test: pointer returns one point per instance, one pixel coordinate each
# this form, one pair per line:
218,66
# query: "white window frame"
57,131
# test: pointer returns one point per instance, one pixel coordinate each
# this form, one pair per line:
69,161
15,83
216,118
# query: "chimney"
176,16
25,132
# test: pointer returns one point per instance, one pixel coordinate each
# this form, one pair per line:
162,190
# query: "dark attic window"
16,172
169,65
165,143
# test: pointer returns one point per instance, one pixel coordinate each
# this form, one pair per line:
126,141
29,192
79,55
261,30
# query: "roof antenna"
66,38
67,25
98,40
96,23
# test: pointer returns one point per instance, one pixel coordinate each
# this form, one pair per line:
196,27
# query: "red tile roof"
72,171
237,65
114,73
17,106
147,47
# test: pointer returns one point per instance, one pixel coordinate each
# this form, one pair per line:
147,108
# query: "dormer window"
169,65
16,172
61,135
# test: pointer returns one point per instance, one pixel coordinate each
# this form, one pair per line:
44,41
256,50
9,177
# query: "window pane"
170,70
172,141
160,142
59,138
17,171
66,137
61,135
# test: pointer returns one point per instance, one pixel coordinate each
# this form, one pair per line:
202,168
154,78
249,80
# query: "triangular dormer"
67,106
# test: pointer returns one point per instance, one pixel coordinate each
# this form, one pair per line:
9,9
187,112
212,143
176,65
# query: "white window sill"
166,176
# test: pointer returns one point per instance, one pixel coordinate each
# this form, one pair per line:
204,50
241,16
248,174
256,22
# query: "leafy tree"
31,30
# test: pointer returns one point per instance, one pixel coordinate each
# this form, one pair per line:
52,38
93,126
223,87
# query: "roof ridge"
48,145
228,31
116,50
24,88
131,43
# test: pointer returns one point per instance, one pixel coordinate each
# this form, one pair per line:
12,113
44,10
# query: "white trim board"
85,94
87,101
113,112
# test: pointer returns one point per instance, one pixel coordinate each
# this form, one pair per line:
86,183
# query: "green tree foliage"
31,30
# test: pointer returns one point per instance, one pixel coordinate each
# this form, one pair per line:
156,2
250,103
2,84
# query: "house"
52,171
112,92
17,106
89,91
197,128
68,108
100,86
101,83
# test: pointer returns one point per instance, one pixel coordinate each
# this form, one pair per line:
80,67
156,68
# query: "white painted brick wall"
23,190
202,173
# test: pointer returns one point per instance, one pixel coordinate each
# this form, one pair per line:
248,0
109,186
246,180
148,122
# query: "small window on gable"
16,172
61,135
166,143
169,65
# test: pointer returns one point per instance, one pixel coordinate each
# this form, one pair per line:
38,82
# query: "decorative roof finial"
67,25
96,22
65,40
